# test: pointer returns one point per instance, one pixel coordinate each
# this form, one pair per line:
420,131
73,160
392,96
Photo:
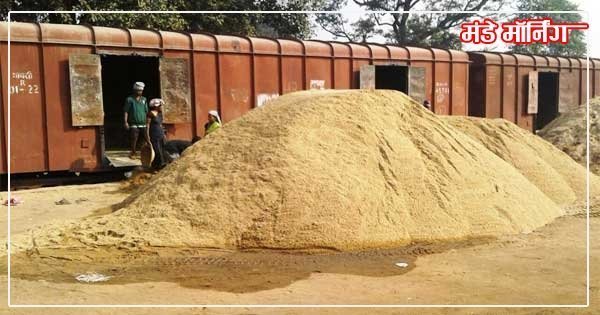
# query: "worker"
427,105
155,134
214,122
136,110
175,148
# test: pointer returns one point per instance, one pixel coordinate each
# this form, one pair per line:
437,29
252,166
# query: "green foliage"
433,30
576,46
273,25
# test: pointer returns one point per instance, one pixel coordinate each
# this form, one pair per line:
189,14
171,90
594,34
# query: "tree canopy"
273,25
425,30
403,28
576,46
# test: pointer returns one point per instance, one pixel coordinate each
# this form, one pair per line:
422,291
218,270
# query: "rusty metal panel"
509,90
356,65
318,73
315,48
460,81
441,104
206,88
127,51
292,74
175,90
429,95
416,83
182,130
28,143
492,92
367,77
86,90
266,78
236,85
387,62
67,34
567,91
532,96
524,120
235,44
65,150
343,74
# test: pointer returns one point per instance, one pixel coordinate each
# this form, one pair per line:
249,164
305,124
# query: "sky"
352,12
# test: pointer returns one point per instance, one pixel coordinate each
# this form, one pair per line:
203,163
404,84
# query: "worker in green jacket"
214,122
136,110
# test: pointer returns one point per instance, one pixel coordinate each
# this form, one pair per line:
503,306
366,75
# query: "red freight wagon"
69,82
528,90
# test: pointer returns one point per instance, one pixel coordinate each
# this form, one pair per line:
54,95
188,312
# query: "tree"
276,25
576,46
403,28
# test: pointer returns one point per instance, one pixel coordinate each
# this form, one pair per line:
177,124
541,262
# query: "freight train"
68,84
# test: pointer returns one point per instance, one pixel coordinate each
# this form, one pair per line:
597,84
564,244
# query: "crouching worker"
214,122
155,134
174,148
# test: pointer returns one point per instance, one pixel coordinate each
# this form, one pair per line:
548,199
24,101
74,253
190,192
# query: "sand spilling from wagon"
342,170
568,133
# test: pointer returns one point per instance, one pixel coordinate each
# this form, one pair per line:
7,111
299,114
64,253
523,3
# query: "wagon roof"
508,58
100,36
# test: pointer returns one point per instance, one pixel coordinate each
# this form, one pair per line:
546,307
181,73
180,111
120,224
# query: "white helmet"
156,102
215,114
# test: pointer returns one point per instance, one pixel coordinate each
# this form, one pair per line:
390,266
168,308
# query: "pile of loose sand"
568,133
551,170
335,170
138,178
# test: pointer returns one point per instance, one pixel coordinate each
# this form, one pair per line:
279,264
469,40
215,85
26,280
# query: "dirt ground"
543,267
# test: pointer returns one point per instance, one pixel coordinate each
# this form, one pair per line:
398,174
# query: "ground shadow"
220,270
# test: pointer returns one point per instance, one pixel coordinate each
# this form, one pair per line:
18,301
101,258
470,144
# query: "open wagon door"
175,90
367,77
532,83
568,91
416,83
86,90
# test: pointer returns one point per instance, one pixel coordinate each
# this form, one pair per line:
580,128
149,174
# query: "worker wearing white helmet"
135,112
214,122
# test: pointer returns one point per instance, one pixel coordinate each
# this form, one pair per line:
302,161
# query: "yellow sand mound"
568,133
326,169
552,171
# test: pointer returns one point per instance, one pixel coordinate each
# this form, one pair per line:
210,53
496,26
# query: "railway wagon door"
416,83
532,93
86,90
568,91
175,90
543,98
406,79
101,83
119,73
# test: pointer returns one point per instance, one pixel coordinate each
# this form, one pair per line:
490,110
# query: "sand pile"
568,133
330,170
551,170
138,178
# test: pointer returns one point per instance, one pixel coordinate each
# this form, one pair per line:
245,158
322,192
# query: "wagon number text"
23,86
